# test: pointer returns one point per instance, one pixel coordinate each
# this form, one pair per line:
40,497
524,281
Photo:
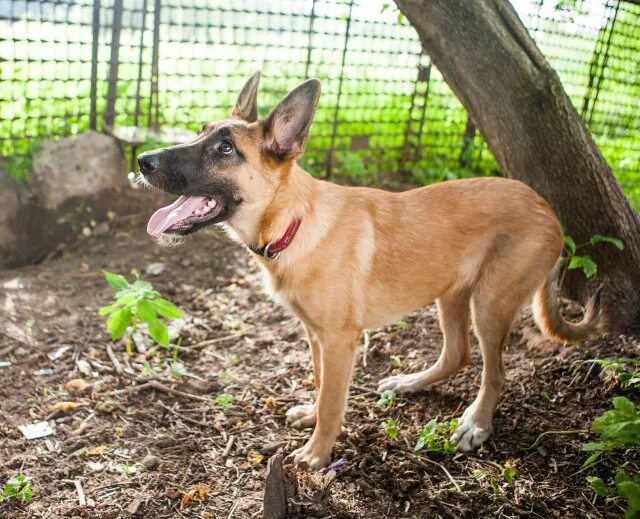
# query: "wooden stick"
228,447
114,360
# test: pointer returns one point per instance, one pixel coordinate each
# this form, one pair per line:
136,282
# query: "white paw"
402,383
470,434
301,416
311,454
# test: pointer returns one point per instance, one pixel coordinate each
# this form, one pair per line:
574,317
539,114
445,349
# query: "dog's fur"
364,257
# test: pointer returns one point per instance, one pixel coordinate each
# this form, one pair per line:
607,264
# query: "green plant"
625,371
626,487
507,475
224,400
391,428
137,303
617,428
434,437
387,400
584,261
18,487
401,325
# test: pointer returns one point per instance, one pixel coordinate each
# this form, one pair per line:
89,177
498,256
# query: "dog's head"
233,168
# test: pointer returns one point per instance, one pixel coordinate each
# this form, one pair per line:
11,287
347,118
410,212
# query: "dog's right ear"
247,105
287,126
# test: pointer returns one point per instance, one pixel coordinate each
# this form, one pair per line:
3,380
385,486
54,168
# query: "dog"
344,259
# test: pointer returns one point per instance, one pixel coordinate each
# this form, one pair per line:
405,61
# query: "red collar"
273,249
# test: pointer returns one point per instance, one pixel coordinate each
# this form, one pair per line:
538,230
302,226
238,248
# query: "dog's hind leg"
304,415
492,316
453,310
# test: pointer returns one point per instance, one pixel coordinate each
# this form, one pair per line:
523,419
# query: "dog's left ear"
247,104
287,126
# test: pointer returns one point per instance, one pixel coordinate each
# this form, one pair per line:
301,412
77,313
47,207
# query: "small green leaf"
116,281
159,332
509,474
146,311
598,238
598,486
107,310
118,322
166,309
586,263
570,243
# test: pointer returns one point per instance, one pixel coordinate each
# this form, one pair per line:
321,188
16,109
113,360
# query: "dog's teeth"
211,204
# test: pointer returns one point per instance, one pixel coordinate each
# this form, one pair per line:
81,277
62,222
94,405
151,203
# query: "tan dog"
344,259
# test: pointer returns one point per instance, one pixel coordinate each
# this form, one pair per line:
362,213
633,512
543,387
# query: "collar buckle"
266,254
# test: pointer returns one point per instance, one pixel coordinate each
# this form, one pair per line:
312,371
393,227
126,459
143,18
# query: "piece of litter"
56,354
96,466
33,431
4,363
44,372
155,269
13,284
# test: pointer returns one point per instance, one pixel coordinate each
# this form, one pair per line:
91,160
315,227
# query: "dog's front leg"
336,358
304,415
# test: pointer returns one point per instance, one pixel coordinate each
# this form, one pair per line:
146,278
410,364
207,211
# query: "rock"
155,269
150,462
13,197
76,166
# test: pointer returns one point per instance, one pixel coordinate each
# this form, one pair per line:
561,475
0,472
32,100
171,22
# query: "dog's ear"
287,126
247,105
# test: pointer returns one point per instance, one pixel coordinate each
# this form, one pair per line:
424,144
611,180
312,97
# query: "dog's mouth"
187,214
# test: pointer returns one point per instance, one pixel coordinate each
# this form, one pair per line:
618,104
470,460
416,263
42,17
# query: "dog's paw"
312,455
402,383
302,416
470,434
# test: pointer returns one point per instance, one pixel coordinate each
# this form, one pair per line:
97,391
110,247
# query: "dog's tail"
546,312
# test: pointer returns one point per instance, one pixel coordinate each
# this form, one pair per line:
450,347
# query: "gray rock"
13,197
76,166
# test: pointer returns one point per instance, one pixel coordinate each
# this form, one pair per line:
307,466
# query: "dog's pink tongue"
181,209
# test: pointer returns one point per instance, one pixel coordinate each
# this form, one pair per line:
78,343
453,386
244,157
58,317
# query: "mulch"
149,439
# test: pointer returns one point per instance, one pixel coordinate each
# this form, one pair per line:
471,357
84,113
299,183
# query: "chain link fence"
121,65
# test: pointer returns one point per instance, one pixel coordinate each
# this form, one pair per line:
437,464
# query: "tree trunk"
517,101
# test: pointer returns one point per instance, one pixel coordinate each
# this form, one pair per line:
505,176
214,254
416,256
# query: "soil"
238,342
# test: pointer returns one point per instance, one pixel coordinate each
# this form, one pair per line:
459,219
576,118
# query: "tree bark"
519,105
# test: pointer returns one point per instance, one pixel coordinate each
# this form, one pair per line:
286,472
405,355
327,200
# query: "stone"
79,166
13,198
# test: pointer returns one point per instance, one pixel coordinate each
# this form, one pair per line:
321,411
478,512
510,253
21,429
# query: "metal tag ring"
266,253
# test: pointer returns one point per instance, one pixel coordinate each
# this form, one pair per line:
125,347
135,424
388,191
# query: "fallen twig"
228,447
209,342
114,360
421,463
547,433
82,500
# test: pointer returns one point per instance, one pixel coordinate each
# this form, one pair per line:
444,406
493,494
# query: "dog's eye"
226,147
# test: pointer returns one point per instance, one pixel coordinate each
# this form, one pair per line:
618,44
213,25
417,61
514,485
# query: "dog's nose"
149,162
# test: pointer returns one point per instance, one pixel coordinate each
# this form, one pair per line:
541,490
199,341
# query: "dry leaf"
270,401
63,407
198,493
254,457
97,451
76,386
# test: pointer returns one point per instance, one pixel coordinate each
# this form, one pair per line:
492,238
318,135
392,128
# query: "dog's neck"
292,201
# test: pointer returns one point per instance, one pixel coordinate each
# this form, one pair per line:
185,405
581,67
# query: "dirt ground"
236,341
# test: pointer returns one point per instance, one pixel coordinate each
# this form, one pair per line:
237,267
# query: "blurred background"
146,70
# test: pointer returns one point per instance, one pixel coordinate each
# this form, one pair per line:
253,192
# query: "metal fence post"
310,31
112,91
153,100
597,69
334,129
93,94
